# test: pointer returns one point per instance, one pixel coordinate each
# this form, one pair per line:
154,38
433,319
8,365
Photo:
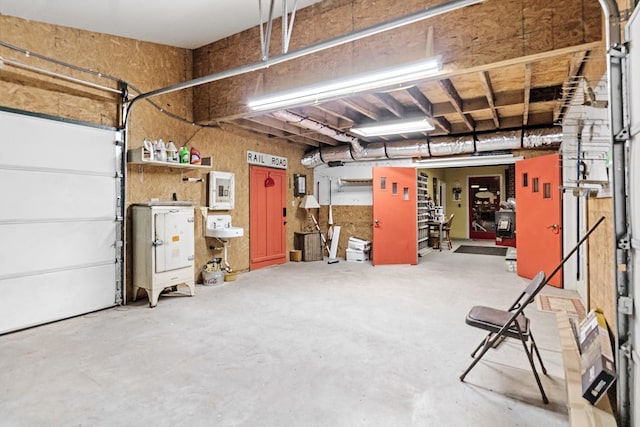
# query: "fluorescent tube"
347,86
394,127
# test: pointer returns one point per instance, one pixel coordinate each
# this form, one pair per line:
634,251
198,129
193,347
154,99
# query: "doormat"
482,250
554,304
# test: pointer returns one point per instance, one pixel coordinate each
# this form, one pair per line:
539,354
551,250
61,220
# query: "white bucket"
211,278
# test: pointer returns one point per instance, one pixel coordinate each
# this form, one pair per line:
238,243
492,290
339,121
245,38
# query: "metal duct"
545,137
451,145
440,146
404,149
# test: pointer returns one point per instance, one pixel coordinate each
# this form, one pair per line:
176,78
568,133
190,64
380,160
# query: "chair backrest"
449,221
532,289
526,297
535,286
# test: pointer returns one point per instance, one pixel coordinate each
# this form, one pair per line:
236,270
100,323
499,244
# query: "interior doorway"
267,217
484,201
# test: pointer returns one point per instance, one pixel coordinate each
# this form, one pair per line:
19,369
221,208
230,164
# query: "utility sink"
225,233
219,226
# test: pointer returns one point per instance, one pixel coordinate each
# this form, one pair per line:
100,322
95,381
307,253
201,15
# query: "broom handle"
575,248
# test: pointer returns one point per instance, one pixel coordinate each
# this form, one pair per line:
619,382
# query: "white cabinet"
163,249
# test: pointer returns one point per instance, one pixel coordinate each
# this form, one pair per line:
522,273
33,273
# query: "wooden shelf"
135,157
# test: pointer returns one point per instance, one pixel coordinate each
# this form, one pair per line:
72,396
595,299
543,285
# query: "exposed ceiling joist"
361,107
291,129
391,104
485,80
456,101
569,86
271,132
527,94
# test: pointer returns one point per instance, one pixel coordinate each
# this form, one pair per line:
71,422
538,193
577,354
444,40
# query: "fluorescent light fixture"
394,127
475,186
464,161
313,94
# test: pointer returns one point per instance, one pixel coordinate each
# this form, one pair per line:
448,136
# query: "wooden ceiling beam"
501,99
511,122
456,101
570,85
421,101
391,104
485,80
333,114
274,123
362,108
426,107
272,133
527,93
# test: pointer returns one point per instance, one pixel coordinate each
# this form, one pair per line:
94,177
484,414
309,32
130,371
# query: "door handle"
377,223
554,227
158,242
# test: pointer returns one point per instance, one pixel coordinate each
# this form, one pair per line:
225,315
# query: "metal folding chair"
511,323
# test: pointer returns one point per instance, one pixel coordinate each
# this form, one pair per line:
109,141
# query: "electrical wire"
30,54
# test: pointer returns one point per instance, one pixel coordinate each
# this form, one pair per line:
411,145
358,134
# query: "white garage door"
60,228
633,36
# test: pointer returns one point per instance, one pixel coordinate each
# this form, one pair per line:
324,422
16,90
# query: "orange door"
394,216
267,217
539,216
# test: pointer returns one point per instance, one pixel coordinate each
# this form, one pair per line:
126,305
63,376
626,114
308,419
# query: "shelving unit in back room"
422,214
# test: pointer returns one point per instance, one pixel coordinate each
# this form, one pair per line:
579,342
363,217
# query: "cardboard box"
359,244
295,255
596,357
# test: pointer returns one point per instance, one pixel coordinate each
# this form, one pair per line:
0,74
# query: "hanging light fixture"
394,127
313,94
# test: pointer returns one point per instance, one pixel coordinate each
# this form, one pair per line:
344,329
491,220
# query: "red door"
267,217
539,216
394,216
484,201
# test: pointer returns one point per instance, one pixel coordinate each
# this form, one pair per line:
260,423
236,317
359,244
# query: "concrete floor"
301,344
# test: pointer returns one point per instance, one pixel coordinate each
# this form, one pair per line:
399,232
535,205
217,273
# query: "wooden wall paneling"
602,286
147,66
355,221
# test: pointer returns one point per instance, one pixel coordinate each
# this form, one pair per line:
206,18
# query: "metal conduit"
429,12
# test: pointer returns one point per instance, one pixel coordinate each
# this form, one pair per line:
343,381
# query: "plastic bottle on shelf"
195,156
161,151
184,155
172,152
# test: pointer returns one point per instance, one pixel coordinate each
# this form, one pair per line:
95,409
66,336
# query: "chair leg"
534,346
483,342
533,369
485,348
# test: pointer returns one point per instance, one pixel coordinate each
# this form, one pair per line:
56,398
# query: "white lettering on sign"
268,160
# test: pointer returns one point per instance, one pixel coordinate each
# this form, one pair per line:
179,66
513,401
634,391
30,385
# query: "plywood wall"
355,221
145,66
602,287
485,33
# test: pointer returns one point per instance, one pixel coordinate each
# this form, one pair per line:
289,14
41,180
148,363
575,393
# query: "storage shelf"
135,157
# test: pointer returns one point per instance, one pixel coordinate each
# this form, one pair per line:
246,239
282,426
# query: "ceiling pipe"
439,146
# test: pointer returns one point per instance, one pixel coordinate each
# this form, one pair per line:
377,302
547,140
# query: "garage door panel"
33,300
56,196
83,148
58,226
55,246
633,87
